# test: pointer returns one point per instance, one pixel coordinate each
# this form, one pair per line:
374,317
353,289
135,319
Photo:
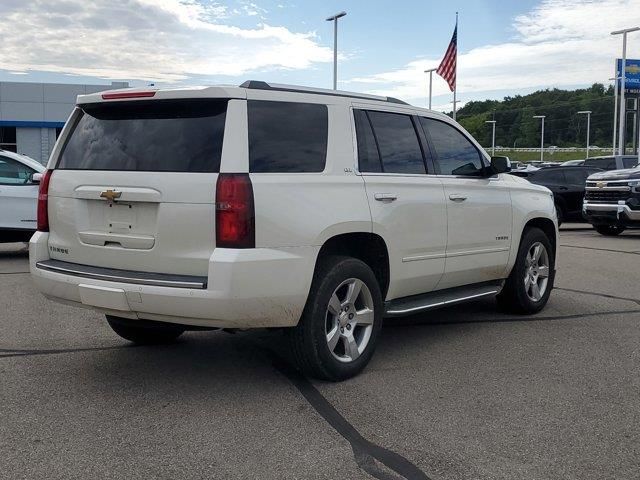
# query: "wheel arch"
365,246
548,227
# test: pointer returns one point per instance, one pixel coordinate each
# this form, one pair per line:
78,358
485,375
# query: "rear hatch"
134,185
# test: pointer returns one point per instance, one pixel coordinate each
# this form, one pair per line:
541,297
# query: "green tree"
563,126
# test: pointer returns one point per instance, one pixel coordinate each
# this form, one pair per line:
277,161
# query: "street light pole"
334,19
623,106
430,72
493,136
588,114
542,117
615,111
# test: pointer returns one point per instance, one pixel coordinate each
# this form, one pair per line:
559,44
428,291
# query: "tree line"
564,127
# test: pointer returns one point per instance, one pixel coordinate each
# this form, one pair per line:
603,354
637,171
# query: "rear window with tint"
287,136
605,163
397,142
160,136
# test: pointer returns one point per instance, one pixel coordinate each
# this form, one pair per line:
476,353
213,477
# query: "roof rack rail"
260,85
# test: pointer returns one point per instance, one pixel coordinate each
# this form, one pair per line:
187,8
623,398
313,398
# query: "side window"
398,143
287,136
455,154
604,163
576,176
549,177
368,156
14,173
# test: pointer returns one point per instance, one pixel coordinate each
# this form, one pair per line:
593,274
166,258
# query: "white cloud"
559,43
160,40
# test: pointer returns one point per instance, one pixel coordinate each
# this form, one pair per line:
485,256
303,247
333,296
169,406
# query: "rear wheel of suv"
339,327
609,230
528,287
144,332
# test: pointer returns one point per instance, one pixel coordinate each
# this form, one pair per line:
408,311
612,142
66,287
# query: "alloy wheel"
349,320
536,275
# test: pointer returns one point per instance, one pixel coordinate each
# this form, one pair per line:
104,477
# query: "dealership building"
32,114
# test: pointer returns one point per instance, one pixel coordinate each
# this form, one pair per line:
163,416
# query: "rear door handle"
456,197
385,197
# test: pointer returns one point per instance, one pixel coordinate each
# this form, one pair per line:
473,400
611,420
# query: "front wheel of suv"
339,327
609,230
529,285
144,332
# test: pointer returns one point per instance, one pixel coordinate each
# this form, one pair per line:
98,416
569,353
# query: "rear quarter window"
161,135
287,136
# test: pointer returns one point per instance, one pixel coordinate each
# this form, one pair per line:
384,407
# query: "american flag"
447,68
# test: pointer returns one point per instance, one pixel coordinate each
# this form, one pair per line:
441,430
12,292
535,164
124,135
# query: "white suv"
276,206
19,178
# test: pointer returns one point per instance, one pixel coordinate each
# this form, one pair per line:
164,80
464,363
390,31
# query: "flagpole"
455,86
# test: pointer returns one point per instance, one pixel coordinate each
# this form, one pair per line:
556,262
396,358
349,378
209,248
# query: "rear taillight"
43,202
235,215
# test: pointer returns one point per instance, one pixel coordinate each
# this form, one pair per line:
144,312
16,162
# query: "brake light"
235,214
121,95
43,202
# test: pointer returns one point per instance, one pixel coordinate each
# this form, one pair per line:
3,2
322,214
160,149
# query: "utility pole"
542,117
430,72
493,136
334,19
623,107
588,114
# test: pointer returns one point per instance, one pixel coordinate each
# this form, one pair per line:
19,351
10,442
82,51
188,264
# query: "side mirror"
36,178
500,164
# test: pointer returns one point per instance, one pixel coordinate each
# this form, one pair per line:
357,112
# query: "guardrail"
553,149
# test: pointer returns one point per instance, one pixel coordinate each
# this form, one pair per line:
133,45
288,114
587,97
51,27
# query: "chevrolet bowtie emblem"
601,184
110,195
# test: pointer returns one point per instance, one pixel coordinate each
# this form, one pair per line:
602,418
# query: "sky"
504,47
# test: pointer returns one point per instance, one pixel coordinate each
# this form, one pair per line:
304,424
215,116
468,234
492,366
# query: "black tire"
514,297
609,230
561,214
145,332
308,340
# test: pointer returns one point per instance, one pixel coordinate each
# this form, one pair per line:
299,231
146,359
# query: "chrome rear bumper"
124,276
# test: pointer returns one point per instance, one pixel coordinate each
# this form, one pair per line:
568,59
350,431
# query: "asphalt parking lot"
461,393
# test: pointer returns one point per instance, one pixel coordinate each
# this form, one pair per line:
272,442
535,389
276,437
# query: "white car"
19,178
316,211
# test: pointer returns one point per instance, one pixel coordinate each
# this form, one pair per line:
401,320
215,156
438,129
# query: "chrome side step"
441,298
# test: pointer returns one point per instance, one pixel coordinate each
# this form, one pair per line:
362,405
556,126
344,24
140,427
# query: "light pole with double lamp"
541,117
334,19
623,106
588,114
493,136
430,72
